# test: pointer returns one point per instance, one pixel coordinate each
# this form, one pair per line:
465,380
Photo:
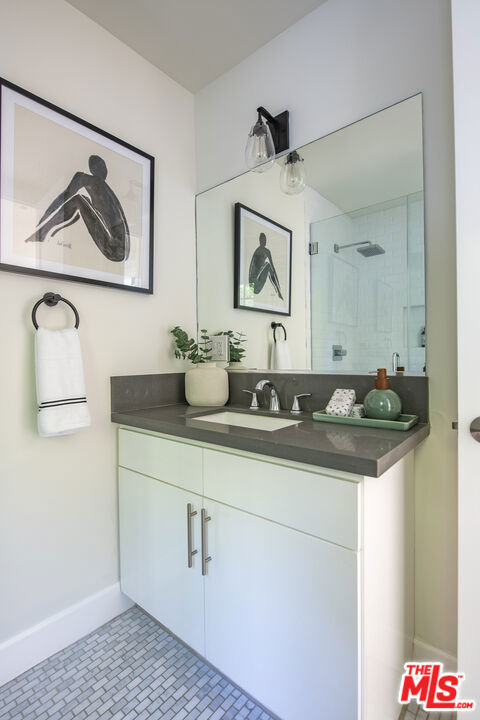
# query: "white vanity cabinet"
299,604
154,568
153,554
281,615
292,595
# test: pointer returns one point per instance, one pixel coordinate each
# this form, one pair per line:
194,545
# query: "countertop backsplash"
132,392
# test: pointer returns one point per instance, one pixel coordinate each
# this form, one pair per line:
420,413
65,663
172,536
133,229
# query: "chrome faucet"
254,402
274,399
395,361
296,409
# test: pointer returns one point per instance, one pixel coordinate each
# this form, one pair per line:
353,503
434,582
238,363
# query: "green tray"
403,422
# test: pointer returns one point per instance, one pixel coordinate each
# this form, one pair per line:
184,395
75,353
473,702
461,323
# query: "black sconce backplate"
280,132
279,127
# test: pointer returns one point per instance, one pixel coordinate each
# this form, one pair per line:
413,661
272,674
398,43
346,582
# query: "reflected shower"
368,250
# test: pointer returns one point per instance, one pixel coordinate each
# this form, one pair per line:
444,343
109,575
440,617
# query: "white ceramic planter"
235,367
206,385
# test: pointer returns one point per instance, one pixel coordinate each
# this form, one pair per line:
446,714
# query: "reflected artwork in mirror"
263,261
346,266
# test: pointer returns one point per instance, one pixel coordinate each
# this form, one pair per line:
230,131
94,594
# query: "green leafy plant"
236,341
187,349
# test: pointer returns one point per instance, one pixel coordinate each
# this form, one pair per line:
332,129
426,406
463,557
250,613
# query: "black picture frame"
273,276
98,216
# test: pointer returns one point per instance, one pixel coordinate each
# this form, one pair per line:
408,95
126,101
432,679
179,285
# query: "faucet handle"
254,403
296,409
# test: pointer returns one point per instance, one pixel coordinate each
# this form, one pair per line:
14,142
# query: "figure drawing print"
262,268
89,199
76,202
262,271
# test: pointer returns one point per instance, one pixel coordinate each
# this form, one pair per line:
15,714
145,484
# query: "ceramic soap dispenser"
382,403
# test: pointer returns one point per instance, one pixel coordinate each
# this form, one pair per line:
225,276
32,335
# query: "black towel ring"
274,327
52,299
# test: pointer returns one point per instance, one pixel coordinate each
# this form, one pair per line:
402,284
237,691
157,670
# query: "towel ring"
52,299
274,327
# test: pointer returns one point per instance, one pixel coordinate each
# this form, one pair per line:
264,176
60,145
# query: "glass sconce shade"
292,176
260,149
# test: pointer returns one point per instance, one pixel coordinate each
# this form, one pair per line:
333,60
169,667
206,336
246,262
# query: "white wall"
58,532
215,250
347,59
317,208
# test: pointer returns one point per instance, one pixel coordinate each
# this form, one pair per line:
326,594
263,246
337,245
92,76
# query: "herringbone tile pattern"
129,669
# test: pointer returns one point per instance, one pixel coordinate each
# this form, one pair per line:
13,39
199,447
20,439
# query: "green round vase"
382,405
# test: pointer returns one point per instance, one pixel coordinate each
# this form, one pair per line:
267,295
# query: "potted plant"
236,341
206,384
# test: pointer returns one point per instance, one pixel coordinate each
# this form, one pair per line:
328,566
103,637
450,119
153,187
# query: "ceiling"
195,41
376,159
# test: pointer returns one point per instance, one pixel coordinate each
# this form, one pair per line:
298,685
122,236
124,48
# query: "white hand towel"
61,395
280,356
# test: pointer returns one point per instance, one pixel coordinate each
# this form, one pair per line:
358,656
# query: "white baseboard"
30,647
423,651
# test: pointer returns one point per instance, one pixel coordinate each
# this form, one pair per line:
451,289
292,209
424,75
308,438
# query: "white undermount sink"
255,422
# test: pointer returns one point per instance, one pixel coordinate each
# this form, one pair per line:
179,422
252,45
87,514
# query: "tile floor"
132,669
129,669
416,712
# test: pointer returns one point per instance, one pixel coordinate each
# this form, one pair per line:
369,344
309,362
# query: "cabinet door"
281,615
154,568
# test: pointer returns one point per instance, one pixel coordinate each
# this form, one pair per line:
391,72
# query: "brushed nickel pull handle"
190,514
205,558
475,429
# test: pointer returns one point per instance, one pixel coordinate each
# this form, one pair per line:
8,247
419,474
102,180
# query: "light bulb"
292,176
260,149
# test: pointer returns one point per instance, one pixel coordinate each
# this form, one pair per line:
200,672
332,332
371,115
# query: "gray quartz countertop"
359,450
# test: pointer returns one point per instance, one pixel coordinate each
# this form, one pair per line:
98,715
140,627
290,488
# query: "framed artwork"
76,203
263,263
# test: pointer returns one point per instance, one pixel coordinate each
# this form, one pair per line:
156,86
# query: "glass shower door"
367,288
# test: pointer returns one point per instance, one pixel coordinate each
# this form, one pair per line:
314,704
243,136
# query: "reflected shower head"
370,250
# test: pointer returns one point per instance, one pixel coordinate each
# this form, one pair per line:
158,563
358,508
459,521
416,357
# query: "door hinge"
313,248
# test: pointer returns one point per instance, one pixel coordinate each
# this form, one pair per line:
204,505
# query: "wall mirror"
340,265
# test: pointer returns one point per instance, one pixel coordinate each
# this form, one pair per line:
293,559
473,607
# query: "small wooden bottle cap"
382,382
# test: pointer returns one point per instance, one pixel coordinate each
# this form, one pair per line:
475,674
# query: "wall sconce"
292,175
266,138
